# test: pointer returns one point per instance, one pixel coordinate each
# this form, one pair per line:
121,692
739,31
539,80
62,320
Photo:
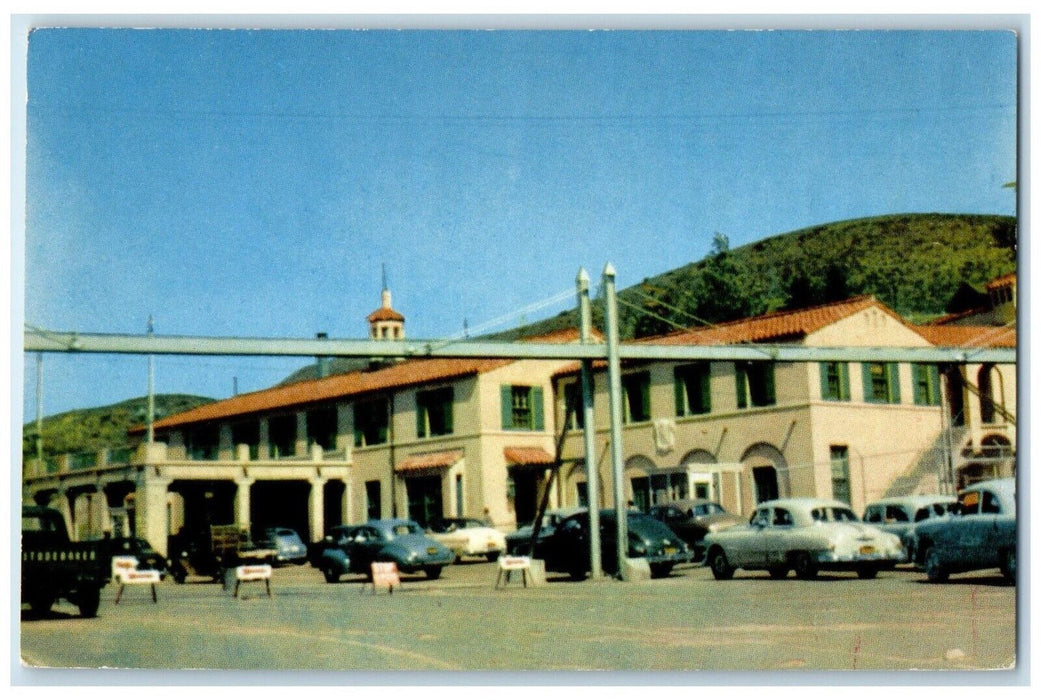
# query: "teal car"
351,549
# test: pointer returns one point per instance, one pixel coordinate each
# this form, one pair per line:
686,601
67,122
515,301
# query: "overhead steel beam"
74,342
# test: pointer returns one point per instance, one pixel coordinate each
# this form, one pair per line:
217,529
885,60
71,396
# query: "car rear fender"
335,558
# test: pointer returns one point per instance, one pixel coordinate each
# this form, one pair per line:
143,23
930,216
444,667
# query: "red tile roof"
1002,281
384,314
779,326
969,336
527,455
408,373
429,460
338,386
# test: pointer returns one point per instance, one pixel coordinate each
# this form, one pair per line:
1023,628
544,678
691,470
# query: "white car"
805,535
469,537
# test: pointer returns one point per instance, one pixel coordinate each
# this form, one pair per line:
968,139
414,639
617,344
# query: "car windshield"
832,514
399,529
709,509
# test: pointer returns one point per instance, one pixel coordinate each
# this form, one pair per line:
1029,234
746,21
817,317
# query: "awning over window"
534,456
429,460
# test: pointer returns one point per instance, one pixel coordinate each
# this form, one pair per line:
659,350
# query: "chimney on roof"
322,361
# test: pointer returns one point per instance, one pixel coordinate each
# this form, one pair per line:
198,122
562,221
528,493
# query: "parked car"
692,519
900,515
469,537
147,557
805,535
289,548
519,542
351,549
981,535
567,549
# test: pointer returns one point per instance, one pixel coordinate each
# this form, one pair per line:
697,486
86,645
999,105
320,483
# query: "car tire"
433,572
661,570
778,572
578,574
867,572
721,568
331,576
805,567
492,556
1008,566
934,570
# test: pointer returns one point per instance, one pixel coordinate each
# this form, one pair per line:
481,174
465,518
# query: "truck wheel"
433,572
867,572
805,568
778,572
934,570
1008,566
331,576
88,602
41,602
492,556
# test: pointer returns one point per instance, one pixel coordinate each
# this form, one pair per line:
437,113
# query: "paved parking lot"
686,622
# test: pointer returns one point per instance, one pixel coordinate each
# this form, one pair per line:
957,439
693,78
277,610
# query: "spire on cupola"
385,323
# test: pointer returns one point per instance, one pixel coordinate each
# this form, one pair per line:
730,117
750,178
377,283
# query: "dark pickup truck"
54,567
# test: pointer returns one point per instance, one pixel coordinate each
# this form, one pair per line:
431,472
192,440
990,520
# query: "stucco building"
427,438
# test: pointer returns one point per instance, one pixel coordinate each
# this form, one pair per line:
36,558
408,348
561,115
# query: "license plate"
491,545
867,549
431,550
670,550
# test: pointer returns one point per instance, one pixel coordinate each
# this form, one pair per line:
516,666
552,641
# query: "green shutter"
536,407
893,372
679,384
449,408
506,392
706,388
865,374
421,423
742,391
844,380
823,367
645,396
768,377
934,385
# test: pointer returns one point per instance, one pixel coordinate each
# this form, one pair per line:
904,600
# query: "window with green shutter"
926,384
573,399
840,473
881,382
522,407
636,392
371,422
755,384
693,391
834,381
434,412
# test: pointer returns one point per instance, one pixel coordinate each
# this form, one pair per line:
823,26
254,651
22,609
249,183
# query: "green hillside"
914,263
91,429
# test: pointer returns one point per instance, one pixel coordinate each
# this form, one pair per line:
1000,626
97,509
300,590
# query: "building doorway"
425,502
765,480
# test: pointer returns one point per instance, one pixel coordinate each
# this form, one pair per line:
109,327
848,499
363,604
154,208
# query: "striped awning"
429,460
535,456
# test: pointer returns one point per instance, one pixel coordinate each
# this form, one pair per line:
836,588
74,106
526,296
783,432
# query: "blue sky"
252,183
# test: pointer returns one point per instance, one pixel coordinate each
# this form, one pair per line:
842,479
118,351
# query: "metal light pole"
589,428
39,409
151,389
614,377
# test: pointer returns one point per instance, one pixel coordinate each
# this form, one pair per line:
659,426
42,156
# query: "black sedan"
567,549
351,549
